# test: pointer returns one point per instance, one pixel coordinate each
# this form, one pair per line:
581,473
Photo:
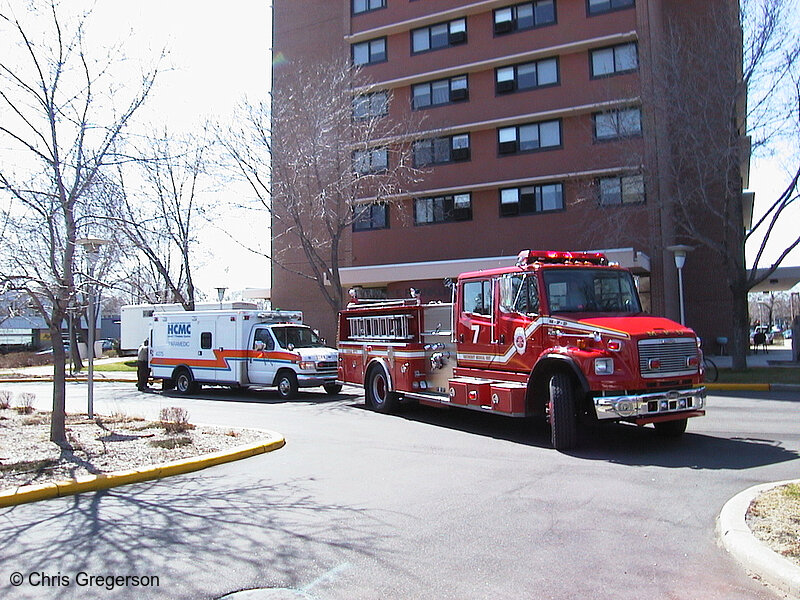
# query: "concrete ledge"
756,557
740,387
91,483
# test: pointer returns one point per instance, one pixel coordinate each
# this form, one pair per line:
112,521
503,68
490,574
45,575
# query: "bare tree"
319,160
729,80
61,115
159,218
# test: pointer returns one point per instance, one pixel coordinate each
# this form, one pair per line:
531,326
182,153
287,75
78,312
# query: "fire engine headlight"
307,365
603,366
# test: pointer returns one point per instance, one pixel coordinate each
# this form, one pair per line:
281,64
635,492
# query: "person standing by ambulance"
143,367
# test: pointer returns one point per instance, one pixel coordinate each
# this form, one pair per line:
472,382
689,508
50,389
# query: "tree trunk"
58,433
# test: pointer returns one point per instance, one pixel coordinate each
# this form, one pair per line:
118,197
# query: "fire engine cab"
559,335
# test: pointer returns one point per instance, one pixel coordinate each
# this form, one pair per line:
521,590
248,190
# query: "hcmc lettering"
179,329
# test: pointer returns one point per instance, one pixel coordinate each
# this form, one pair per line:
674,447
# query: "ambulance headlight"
603,366
308,365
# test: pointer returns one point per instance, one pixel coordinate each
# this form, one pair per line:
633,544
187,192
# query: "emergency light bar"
281,316
529,257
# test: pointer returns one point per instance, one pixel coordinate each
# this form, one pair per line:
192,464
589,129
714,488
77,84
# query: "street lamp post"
92,248
221,295
680,250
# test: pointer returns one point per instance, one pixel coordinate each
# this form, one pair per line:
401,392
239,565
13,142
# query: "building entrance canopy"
380,275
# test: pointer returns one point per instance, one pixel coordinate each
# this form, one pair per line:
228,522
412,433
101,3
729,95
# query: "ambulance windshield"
591,290
290,337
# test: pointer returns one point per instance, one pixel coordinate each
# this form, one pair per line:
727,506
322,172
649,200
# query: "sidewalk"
45,371
776,356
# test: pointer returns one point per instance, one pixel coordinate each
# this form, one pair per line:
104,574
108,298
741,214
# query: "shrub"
5,399
25,403
175,419
171,443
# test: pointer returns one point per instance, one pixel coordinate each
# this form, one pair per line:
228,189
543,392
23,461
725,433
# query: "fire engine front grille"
667,357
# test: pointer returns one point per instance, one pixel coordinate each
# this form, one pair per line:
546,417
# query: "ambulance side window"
205,340
262,335
478,297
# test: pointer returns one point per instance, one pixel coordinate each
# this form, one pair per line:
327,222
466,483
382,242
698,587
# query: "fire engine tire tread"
377,393
286,382
332,388
671,429
563,418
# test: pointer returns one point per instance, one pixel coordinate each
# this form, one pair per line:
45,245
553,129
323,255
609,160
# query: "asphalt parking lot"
426,504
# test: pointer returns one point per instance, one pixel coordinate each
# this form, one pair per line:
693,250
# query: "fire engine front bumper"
646,408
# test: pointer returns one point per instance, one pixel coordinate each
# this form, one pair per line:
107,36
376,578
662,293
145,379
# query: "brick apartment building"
542,137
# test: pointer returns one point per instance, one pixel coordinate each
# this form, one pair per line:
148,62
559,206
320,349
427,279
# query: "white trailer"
136,319
240,348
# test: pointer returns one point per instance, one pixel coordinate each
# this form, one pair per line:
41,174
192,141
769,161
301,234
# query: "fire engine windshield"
591,290
297,337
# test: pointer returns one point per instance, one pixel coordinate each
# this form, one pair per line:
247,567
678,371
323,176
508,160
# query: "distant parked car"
107,345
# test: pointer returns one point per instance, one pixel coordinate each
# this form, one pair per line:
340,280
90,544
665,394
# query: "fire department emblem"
520,340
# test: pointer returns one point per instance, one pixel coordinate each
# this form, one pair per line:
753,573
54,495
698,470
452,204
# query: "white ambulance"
240,348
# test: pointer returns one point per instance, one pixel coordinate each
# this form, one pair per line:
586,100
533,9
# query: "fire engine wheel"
377,392
287,385
185,383
563,420
671,428
332,388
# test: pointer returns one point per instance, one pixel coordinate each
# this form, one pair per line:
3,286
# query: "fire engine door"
476,325
260,368
518,337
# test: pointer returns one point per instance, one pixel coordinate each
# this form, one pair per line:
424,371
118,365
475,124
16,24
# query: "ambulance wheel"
563,420
332,388
377,393
185,383
287,384
671,428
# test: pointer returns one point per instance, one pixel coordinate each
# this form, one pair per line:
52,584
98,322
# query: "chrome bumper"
649,405
315,379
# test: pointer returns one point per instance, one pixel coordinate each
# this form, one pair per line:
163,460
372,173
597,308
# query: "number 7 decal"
476,331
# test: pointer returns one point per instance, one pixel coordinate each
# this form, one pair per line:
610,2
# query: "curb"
754,387
756,557
92,483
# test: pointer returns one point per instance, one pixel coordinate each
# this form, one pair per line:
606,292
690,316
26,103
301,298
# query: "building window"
373,160
531,199
442,91
526,76
437,151
597,7
616,59
441,35
371,105
529,137
618,124
370,216
624,189
524,16
362,6
443,209
369,52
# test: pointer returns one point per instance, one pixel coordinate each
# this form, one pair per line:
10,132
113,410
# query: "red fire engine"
559,335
